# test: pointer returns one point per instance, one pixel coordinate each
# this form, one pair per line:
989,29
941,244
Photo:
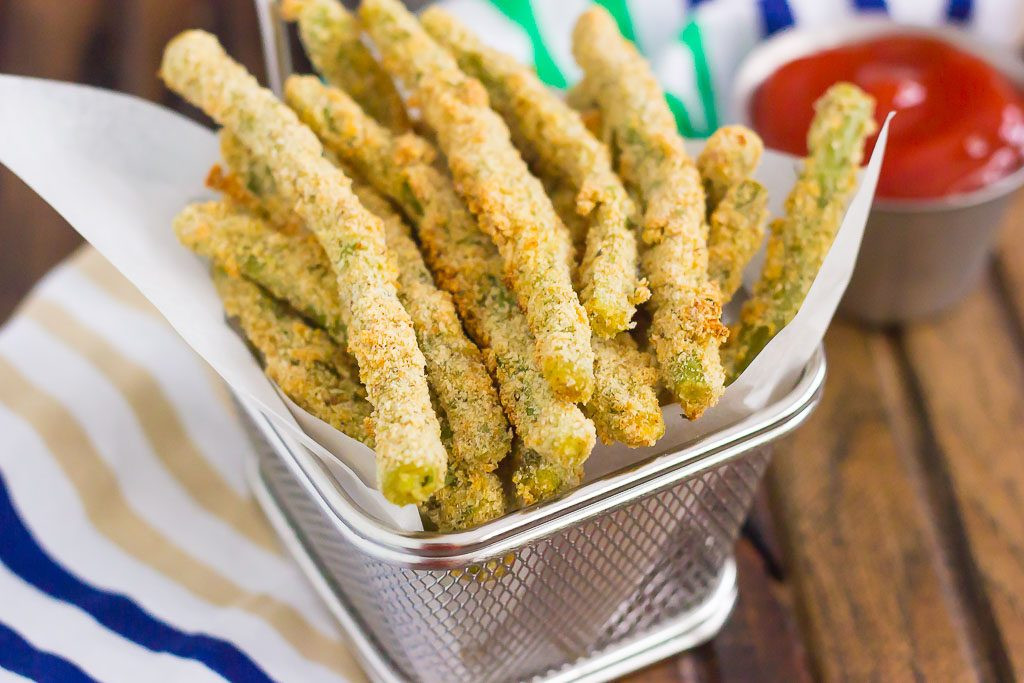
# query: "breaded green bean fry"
308,366
467,499
556,143
686,330
625,405
730,155
735,234
799,242
331,36
534,479
508,201
411,460
464,260
455,366
291,266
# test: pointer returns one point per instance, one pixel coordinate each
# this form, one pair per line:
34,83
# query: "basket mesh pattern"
544,606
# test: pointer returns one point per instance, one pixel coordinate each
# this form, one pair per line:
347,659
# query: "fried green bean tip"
535,479
467,499
410,482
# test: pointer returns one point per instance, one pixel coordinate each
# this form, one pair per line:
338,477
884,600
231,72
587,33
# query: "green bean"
735,234
410,457
464,261
729,156
492,177
686,329
799,242
308,366
331,36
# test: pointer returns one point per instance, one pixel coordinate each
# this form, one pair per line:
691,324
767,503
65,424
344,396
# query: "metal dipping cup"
919,256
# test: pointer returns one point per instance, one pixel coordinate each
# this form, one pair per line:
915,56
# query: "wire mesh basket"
625,570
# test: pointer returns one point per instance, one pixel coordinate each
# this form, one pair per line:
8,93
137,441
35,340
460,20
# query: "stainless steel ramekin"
918,257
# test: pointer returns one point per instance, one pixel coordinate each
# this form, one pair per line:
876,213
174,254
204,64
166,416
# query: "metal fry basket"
624,571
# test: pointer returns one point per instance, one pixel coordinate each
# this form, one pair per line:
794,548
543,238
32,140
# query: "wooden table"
888,540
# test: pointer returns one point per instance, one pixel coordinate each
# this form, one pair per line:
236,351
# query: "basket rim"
433,550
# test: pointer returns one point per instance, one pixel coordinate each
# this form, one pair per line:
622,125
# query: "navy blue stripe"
775,15
960,11
870,5
24,556
21,657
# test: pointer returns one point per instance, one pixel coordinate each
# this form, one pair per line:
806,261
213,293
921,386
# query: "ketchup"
960,123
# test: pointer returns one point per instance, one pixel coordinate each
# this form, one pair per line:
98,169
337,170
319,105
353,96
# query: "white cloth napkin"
130,546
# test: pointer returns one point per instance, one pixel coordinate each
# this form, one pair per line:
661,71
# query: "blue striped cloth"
130,546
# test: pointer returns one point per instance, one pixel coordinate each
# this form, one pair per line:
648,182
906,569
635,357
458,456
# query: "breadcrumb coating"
496,184
455,367
534,479
556,143
799,242
730,155
331,36
735,234
291,266
468,499
625,405
464,261
686,329
308,366
411,460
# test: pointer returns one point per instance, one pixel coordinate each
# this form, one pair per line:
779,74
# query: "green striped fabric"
539,32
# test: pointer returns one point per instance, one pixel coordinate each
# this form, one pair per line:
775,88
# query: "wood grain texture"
49,40
874,595
971,376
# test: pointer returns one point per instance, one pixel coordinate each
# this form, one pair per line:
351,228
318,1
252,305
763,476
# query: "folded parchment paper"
119,169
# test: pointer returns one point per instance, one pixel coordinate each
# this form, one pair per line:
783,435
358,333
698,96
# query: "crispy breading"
464,261
291,266
331,36
625,405
308,366
496,184
735,234
534,479
455,367
557,144
730,155
799,242
410,457
468,499
686,329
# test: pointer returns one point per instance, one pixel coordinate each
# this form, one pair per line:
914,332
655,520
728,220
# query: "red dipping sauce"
960,123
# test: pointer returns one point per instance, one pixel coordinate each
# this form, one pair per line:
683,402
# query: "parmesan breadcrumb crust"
557,144
496,184
411,460
735,234
686,329
308,366
463,259
455,367
799,242
331,36
730,155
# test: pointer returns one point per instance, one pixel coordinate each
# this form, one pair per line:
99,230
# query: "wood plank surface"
874,595
971,377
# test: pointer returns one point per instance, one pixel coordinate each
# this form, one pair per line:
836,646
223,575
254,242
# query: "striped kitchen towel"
130,546
696,46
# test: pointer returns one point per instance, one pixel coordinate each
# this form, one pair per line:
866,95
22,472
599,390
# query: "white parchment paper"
119,169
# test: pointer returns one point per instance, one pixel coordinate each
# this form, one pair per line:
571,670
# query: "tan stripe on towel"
112,515
161,424
101,273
